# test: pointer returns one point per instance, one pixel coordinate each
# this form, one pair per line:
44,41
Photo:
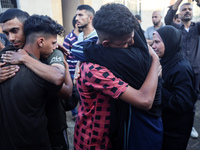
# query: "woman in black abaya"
178,95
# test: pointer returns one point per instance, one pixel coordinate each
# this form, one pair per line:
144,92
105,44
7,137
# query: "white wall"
69,11
42,7
148,6
52,8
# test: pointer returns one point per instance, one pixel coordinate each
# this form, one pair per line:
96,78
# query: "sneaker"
194,134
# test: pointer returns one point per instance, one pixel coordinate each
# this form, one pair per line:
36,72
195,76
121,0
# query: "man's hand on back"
14,58
7,72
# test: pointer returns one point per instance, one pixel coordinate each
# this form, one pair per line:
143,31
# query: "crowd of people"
136,89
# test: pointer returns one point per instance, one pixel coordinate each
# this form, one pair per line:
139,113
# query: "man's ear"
40,41
91,18
106,43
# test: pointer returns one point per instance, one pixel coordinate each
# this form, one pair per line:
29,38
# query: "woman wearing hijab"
178,95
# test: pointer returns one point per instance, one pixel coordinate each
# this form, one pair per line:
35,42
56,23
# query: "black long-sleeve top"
191,40
178,95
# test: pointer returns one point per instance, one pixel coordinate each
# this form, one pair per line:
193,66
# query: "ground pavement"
194,144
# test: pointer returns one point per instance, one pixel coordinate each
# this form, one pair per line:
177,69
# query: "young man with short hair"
55,72
23,97
84,17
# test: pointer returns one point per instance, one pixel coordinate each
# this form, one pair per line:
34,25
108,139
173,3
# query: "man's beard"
186,18
155,23
80,30
82,27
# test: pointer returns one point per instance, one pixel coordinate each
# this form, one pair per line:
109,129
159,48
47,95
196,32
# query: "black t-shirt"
22,114
54,110
4,40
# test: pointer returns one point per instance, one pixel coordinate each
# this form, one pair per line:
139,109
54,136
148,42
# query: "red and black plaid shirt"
96,86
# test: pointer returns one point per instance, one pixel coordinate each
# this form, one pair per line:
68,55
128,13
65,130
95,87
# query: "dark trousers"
59,141
177,131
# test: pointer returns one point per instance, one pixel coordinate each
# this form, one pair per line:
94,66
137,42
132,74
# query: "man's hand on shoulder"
7,72
15,58
62,48
77,73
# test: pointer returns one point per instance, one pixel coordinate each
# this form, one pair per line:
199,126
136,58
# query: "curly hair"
115,19
43,25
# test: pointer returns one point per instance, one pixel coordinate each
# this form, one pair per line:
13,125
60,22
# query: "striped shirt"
69,40
77,49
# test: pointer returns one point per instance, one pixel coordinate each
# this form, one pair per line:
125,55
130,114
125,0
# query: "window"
5,4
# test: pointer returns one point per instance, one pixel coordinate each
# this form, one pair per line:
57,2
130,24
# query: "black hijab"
172,39
132,66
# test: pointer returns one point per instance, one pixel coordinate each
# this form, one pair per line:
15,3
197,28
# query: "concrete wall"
147,8
43,7
69,11
52,8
